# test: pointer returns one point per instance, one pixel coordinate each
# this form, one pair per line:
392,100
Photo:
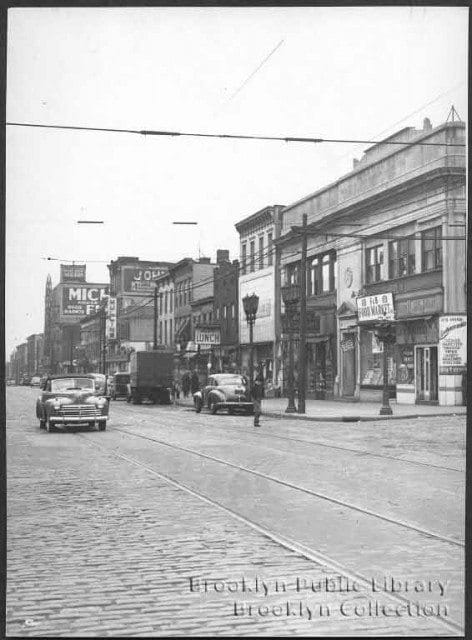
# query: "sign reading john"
452,344
375,308
140,279
83,300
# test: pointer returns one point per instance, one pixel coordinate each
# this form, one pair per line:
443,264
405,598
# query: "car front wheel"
213,407
42,424
49,426
102,425
198,405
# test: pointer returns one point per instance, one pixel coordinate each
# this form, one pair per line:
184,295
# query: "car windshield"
230,380
69,384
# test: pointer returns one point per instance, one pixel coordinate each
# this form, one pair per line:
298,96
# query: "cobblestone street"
173,523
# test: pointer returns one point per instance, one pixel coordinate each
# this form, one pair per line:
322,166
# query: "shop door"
349,364
426,374
320,371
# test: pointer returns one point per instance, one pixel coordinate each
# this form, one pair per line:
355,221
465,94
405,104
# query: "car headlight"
101,402
56,405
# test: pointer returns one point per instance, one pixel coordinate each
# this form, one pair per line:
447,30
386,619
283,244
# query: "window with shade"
401,257
243,259
431,249
261,252
252,256
374,262
270,249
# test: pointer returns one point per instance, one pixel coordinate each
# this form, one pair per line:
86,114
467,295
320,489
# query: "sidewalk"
340,411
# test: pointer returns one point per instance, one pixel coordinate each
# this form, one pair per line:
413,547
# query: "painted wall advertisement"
452,345
83,300
111,318
140,279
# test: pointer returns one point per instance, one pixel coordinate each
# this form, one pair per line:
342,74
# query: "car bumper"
77,419
235,405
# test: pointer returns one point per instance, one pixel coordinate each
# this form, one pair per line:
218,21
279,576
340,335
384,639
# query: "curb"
291,416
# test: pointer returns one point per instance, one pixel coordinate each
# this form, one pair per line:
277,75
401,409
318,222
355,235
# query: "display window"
405,364
372,361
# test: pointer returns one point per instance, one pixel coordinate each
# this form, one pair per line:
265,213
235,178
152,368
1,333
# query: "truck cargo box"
151,368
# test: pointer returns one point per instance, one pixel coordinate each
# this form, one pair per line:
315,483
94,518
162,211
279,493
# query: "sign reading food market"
207,338
73,272
81,301
375,308
141,279
452,345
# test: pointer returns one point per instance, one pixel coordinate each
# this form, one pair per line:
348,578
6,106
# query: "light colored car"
71,399
35,381
224,391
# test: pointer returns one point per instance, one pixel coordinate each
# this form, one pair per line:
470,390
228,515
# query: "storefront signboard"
375,308
207,338
452,344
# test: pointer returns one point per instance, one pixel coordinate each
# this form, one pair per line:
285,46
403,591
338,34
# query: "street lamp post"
385,334
291,297
250,304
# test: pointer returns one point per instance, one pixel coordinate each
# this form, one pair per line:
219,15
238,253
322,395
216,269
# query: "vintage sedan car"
35,381
71,399
224,391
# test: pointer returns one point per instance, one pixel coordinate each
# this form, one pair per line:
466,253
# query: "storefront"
263,357
321,355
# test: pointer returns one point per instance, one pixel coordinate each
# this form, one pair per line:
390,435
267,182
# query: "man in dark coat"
194,382
257,393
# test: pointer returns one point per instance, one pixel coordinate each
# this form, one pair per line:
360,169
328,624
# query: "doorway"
426,374
320,370
349,364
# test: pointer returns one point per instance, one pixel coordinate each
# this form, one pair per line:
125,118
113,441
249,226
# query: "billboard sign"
73,272
141,279
83,300
111,319
375,308
452,350
207,338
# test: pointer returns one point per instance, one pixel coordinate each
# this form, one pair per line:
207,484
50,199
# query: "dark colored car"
224,391
120,385
71,399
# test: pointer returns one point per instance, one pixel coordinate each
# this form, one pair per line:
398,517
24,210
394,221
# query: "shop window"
252,256
243,259
431,249
405,364
374,260
372,361
261,252
401,257
270,249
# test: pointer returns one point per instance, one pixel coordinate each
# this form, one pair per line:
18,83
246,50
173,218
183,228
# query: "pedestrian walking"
194,382
257,393
186,384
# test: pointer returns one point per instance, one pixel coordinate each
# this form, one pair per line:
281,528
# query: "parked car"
35,381
224,391
120,384
71,399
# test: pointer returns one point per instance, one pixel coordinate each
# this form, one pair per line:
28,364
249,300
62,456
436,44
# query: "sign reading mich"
375,308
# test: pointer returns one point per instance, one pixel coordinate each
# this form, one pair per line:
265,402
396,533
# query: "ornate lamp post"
385,333
291,297
250,304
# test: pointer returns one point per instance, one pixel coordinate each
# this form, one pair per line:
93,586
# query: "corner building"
395,224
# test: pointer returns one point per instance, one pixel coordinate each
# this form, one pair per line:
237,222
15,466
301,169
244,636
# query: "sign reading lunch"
375,308
207,337
81,301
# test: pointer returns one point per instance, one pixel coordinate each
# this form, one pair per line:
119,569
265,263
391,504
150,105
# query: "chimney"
222,255
204,260
427,126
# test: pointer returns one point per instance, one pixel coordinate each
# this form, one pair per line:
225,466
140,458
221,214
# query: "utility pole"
155,319
302,346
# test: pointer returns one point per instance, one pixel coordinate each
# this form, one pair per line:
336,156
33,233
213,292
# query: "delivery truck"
151,376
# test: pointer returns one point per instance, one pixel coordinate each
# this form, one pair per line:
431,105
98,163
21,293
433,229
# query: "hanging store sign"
111,319
375,308
452,350
207,338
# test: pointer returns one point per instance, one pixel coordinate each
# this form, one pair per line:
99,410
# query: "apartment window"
431,249
243,259
270,249
165,301
374,260
190,287
160,331
401,257
261,252
315,277
224,312
252,256
291,274
325,272
217,313
165,331
322,277
171,335
210,317
233,310
171,297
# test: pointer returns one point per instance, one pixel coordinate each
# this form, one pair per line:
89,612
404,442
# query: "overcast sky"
338,72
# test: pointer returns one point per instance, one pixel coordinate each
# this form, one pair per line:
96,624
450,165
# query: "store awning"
415,318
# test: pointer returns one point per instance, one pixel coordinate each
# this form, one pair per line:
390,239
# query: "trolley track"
288,543
265,434
296,487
